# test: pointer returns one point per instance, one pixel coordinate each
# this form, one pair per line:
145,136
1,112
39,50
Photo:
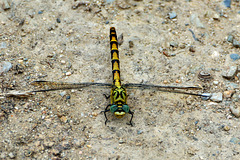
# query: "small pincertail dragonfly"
118,96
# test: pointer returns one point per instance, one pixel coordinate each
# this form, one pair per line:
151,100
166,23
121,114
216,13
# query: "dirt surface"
69,41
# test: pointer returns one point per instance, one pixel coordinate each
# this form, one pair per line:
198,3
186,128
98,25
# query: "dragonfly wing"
151,86
51,85
172,89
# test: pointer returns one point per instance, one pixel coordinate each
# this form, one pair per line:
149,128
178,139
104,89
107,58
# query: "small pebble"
5,67
121,141
192,48
235,111
63,62
131,44
173,44
232,85
178,81
138,144
226,128
78,143
234,56
215,54
139,131
94,114
230,38
89,146
55,152
48,144
62,93
68,74
165,82
64,119
66,145
5,5
3,155
215,82
235,140
217,97
196,21
228,94
236,43
3,45
172,15
68,97
11,155
227,3
230,72
216,17
40,12
58,20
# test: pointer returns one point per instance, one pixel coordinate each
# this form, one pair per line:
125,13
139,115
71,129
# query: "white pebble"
68,73
235,111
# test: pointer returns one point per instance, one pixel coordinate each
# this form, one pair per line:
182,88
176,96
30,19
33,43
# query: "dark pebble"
58,20
192,48
68,97
40,12
234,56
131,44
107,22
195,139
227,3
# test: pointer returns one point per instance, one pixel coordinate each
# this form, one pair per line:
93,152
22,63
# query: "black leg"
130,122
106,110
106,96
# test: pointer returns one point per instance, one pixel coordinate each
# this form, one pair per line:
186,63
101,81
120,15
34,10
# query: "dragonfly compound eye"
125,108
113,108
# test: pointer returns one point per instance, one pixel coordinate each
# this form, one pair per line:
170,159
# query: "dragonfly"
118,96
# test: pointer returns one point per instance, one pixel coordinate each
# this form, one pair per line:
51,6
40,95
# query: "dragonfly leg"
106,110
106,96
130,122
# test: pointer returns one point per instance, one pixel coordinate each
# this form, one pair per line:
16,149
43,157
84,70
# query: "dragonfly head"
119,110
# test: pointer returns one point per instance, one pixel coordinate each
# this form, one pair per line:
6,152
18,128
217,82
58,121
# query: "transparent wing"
172,89
152,86
51,85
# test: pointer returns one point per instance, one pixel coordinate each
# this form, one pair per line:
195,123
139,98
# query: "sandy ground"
45,40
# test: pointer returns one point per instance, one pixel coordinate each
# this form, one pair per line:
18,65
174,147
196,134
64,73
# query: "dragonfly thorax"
118,95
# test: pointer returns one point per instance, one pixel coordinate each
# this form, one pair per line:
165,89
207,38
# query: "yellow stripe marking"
116,76
115,66
114,56
114,46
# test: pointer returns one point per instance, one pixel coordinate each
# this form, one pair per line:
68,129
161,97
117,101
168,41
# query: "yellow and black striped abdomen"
115,57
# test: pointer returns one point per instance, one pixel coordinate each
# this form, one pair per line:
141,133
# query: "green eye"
113,108
125,108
